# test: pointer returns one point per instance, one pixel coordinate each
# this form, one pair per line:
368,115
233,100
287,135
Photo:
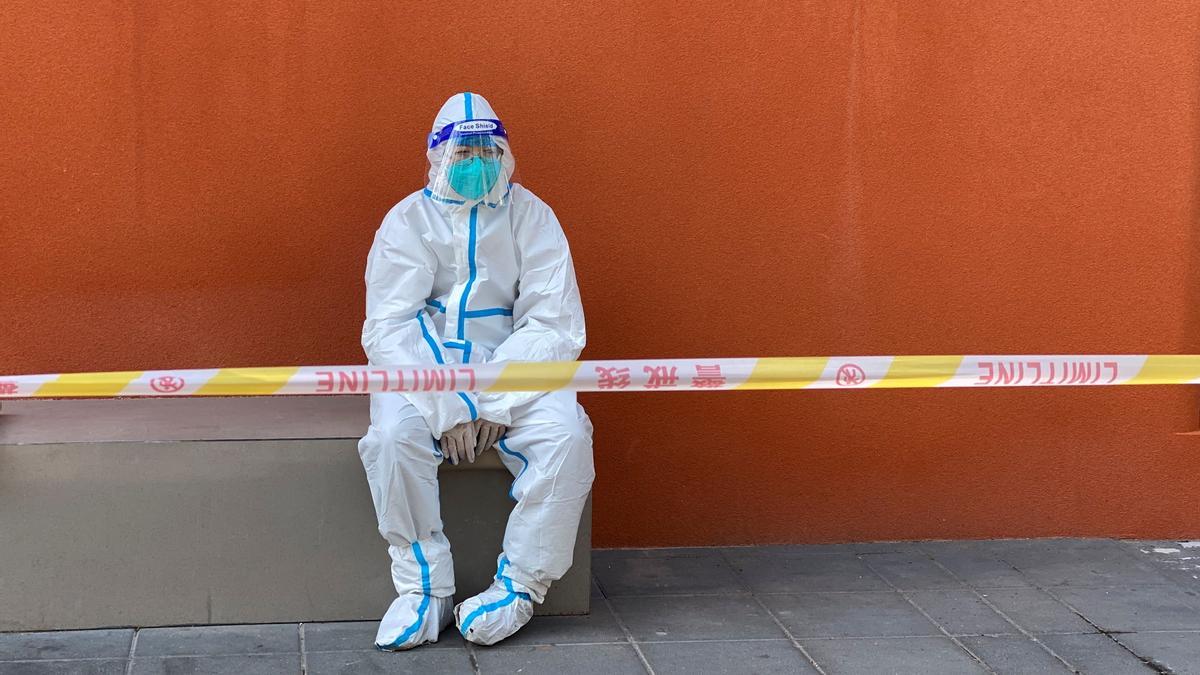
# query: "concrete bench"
159,512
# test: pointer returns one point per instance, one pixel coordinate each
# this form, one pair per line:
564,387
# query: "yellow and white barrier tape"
836,372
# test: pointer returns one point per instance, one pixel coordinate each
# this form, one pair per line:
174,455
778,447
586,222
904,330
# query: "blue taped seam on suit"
466,294
491,311
437,355
472,313
446,200
425,589
504,448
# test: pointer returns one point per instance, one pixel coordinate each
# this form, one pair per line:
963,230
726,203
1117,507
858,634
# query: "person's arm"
547,315
398,331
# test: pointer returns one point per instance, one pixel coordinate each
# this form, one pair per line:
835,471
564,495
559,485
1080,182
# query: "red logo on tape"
850,375
167,384
8,388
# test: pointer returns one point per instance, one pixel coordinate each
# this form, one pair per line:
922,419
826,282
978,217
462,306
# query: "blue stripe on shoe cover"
425,587
482,609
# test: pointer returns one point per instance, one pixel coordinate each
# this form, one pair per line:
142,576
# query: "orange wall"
198,186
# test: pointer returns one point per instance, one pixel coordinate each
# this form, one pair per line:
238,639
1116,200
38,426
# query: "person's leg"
548,449
401,460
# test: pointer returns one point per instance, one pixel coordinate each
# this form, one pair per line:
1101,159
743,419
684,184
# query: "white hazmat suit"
473,269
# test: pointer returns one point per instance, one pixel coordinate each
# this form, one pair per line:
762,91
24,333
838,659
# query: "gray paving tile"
853,548
606,554
1005,547
360,636
925,655
849,615
1095,654
205,640
1179,653
979,568
1008,654
872,547
1179,561
218,664
726,658
599,626
988,547
715,617
799,574
992,548
911,571
419,660
962,612
1089,563
1036,612
665,575
95,667
75,644
596,592
1137,608
581,659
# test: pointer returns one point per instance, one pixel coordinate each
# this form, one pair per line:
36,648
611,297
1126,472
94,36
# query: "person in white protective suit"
472,269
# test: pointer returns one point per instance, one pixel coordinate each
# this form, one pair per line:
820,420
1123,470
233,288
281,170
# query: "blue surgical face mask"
473,178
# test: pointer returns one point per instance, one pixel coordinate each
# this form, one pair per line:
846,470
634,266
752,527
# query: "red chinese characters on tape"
361,381
9,389
612,378
1020,372
661,377
708,377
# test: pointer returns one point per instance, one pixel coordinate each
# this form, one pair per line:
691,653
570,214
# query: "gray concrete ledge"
163,512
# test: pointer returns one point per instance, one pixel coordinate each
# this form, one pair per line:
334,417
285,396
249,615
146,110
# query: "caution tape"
837,372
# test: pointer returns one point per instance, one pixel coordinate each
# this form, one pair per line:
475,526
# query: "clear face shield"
470,162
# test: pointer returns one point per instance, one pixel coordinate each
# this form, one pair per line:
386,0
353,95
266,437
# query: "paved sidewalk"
1007,606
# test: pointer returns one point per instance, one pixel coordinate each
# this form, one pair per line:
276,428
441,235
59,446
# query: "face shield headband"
467,128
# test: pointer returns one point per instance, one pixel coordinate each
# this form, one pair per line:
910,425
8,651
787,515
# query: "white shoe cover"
494,614
413,620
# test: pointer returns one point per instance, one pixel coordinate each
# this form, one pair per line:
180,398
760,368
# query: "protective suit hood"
466,122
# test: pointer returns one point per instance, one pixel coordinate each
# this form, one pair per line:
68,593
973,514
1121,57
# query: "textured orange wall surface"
197,184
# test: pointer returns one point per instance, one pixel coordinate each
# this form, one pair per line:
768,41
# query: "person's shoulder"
525,200
402,216
405,206
534,220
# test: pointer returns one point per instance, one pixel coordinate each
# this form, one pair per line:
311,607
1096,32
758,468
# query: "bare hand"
487,434
459,443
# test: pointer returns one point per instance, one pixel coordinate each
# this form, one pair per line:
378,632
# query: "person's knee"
395,443
573,450
409,435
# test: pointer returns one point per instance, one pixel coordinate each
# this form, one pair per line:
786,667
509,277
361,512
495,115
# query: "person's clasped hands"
470,439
